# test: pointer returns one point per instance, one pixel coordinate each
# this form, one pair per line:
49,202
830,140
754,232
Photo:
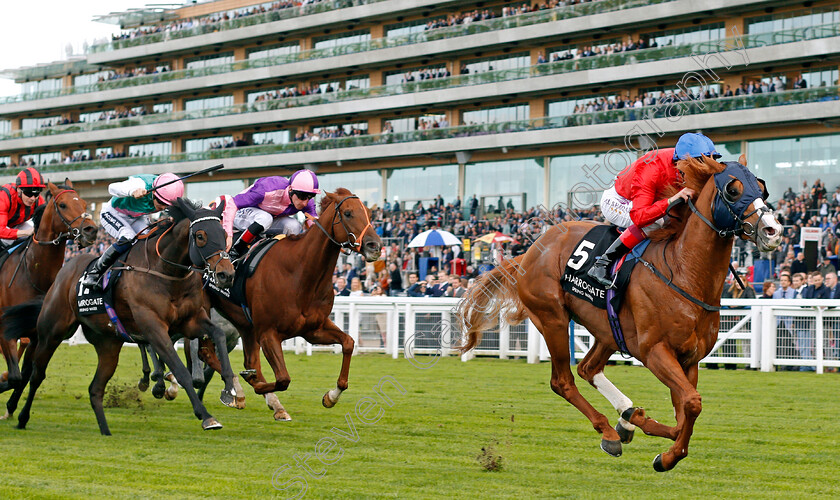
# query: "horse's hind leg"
207,354
143,384
108,355
591,369
159,389
26,356
329,333
194,364
555,330
49,338
662,362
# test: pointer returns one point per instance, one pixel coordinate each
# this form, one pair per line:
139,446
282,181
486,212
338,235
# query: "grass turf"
761,435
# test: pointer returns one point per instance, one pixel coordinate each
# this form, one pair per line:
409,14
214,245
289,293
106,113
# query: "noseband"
75,232
353,242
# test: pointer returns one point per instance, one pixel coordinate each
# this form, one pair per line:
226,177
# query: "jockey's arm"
126,187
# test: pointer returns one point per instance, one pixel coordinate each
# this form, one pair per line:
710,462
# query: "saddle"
91,301
7,251
245,268
576,281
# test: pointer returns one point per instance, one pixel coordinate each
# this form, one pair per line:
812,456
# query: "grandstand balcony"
670,62
713,116
604,16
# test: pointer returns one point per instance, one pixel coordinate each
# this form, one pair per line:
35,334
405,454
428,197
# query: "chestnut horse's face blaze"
71,214
354,226
740,205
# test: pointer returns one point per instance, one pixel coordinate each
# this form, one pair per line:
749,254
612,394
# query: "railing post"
504,337
819,342
534,338
409,331
354,326
446,332
755,336
768,338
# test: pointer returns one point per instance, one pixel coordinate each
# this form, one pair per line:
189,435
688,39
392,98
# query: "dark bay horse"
667,332
291,295
159,296
29,273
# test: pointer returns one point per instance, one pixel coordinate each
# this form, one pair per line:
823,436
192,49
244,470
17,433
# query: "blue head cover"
724,212
694,146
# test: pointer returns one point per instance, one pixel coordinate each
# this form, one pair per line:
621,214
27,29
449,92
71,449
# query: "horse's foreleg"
555,330
143,384
26,356
49,338
271,346
218,336
194,363
162,344
329,333
253,375
662,362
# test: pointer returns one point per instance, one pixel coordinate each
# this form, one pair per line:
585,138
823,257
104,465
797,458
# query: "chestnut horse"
291,295
667,332
158,297
29,273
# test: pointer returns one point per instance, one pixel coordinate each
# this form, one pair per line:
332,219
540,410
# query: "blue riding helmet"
694,146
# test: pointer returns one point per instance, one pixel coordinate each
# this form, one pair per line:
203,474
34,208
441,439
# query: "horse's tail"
493,293
20,321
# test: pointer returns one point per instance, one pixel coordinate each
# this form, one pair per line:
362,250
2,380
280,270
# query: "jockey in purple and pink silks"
270,203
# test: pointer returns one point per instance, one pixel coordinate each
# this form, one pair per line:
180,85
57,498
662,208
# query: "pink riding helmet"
305,181
169,193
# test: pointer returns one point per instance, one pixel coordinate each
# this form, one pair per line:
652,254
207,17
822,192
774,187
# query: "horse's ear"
186,207
68,183
53,188
743,160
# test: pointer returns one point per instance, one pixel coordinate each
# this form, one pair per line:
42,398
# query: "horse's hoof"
625,435
156,376
657,464
171,393
239,402
248,374
613,448
227,399
158,390
282,415
142,386
211,424
327,402
6,416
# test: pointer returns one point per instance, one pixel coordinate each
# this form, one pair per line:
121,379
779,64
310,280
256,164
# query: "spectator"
395,280
768,289
340,289
356,288
799,265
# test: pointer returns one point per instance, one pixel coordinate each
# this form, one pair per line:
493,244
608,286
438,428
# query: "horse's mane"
176,215
696,172
325,201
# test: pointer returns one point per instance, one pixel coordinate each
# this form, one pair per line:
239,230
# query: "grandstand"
536,104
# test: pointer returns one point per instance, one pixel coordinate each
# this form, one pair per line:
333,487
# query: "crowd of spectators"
233,142
328,133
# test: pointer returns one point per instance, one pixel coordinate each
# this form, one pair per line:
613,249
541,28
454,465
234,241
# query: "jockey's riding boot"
93,277
241,246
600,269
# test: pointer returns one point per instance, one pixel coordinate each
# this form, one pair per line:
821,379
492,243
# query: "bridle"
75,232
741,225
353,242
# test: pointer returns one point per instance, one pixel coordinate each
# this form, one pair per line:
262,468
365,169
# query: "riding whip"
205,171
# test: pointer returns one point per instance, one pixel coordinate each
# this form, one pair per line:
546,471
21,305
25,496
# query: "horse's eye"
732,192
62,206
200,238
347,213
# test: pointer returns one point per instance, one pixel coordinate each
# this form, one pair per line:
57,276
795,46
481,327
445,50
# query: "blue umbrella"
434,238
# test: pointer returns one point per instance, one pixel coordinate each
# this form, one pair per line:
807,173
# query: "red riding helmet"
29,177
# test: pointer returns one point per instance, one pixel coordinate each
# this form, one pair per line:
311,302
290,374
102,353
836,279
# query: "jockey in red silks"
18,202
271,202
636,202
127,213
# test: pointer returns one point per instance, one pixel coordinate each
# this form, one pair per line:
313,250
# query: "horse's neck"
701,255
49,258
319,270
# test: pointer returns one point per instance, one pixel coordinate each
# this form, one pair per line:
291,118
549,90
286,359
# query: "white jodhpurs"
120,225
23,225
287,224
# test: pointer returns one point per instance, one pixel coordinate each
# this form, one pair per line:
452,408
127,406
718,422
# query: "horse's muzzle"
88,235
372,251
768,234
